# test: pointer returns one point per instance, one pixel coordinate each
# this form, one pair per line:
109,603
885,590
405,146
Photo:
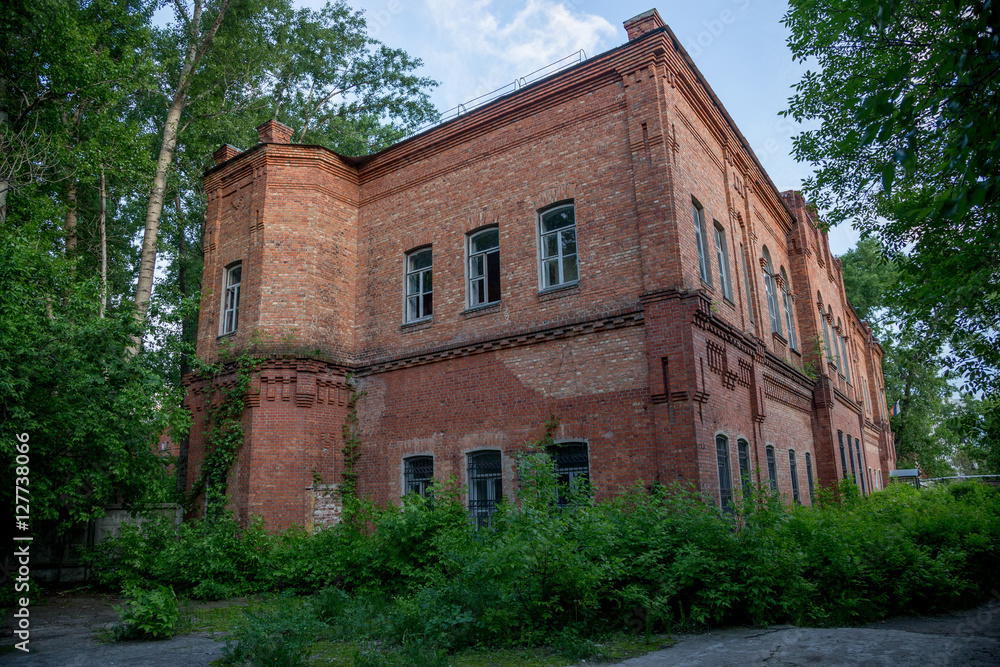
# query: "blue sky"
474,46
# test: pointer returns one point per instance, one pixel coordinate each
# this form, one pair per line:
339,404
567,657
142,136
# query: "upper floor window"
794,474
725,474
419,286
847,359
826,329
418,474
746,280
772,469
838,344
557,236
571,466
231,299
484,267
772,296
485,485
700,240
786,296
743,450
722,255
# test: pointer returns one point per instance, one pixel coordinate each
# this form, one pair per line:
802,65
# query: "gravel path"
64,633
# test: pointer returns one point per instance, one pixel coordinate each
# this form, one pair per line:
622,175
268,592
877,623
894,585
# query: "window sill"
416,325
778,338
558,291
226,335
479,311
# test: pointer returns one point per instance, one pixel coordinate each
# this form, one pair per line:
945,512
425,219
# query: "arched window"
831,352
571,465
725,473
772,469
746,280
743,449
827,351
786,296
701,240
772,296
794,473
837,345
809,475
485,484
418,473
484,267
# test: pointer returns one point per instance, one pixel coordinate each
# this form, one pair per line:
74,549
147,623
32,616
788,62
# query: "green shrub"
276,638
149,613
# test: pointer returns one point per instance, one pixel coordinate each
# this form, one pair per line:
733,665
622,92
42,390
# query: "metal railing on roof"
509,89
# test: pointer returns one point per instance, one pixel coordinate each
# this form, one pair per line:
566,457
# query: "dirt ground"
67,632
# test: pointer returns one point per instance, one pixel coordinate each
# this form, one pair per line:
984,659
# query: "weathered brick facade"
640,358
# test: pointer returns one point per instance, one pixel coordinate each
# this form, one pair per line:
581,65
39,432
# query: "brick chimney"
637,26
273,132
226,152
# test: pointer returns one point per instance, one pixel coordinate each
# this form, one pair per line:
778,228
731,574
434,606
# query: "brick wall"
641,359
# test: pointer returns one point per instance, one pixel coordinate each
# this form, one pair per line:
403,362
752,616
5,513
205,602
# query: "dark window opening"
485,485
572,468
772,469
418,474
725,473
743,448
809,475
793,471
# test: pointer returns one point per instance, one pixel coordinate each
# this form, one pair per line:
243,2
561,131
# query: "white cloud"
489,46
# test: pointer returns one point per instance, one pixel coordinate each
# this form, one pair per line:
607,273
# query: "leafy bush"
415,582
277,639
147,613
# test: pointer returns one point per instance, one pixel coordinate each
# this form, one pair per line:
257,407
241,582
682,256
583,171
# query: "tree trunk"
198,44
104,246
69,229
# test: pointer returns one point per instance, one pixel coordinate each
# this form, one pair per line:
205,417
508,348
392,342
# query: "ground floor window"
418,473
743,450
725,473
772,469
485,485
809,475
572,467
794,473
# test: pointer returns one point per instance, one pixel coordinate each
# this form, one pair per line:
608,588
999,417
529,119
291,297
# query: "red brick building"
602,246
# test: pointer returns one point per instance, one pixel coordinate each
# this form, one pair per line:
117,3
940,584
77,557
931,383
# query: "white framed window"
746,280
557,241
837,344
232,278
786,296
847,361
419,285
485,484
484,267
772,296
722,255
701,241
418,474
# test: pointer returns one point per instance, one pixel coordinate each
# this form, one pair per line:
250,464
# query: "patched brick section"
641,359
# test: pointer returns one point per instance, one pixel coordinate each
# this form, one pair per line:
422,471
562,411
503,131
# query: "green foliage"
147,613
423,582
277,638
90,412
905,147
